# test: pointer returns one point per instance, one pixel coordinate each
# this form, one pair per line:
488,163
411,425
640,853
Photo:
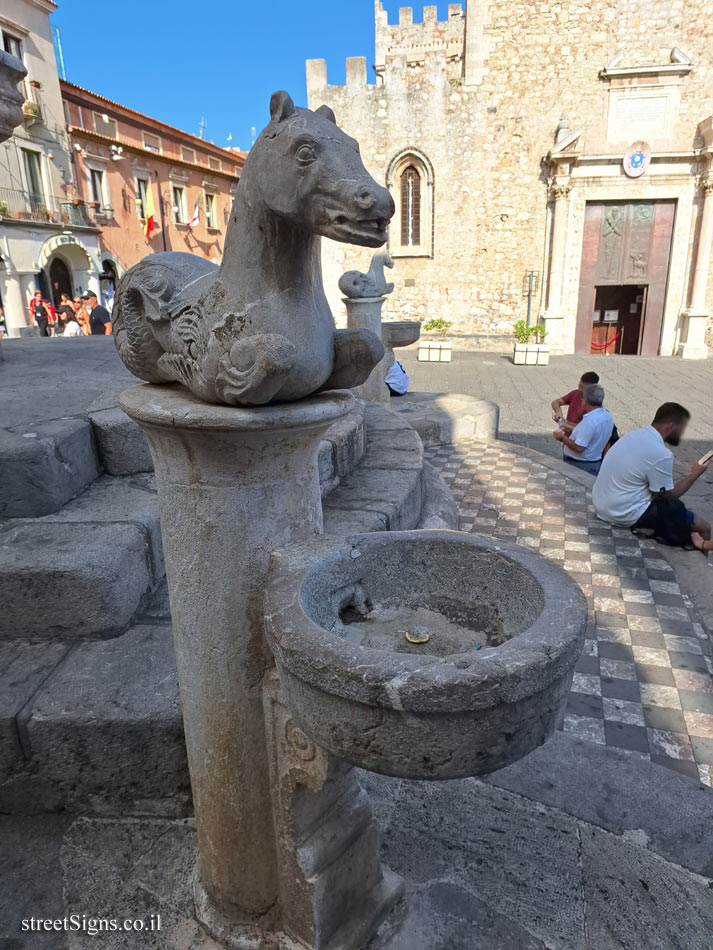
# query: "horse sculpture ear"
281,106
326,113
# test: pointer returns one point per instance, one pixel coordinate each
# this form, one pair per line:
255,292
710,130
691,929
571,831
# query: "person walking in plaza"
573,401
40,315
635,487
99,317
81,315
65,313
584,446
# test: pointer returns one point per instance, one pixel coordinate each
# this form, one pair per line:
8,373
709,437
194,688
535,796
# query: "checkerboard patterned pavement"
644,682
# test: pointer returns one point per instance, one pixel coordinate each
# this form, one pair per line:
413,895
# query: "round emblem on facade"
637,159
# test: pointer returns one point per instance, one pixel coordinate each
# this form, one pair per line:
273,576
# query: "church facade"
552,157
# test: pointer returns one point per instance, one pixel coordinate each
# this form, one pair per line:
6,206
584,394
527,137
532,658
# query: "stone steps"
85,570
94,725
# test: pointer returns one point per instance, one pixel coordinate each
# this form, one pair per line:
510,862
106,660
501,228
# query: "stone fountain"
424,654
364,298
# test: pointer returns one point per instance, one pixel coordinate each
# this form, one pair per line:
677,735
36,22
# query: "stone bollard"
233,485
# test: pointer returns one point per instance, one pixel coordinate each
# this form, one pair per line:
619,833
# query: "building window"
215,163
410,179
210,219
141,189
179,205
152,143
103,125
410,207
96,181
188,154
33,175
12,44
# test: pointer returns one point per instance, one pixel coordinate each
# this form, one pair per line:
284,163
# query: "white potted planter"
527,352
435,351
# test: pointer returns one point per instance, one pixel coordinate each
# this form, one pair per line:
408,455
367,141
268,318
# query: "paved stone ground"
644,682
634,387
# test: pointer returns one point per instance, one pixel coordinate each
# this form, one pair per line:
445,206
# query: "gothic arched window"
409,177
410,207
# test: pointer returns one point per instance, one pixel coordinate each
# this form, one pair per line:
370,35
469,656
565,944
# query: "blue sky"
220,59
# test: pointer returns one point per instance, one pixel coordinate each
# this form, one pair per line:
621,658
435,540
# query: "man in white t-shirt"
635,487
584,445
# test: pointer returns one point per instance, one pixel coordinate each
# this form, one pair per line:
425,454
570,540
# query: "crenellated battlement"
416,40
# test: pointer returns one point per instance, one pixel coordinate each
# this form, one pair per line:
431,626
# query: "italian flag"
196,213
149,211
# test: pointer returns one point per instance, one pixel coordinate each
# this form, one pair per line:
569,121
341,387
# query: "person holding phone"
635,487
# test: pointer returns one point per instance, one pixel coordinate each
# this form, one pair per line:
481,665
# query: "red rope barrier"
603,346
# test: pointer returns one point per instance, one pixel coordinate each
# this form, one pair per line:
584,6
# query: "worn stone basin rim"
539,651
167,407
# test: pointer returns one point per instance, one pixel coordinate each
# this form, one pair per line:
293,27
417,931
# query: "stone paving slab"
68,580
24,666
634,899
644,682
485,868
104,727
44,465
620,792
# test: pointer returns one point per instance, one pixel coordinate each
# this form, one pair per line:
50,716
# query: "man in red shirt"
573,401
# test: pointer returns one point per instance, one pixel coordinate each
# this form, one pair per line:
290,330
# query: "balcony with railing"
52,209
32,106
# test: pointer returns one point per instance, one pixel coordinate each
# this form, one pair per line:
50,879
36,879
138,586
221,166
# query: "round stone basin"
400,332
497,631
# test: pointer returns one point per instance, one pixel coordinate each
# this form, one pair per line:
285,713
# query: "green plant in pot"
529,344
539,331
437,325
522,332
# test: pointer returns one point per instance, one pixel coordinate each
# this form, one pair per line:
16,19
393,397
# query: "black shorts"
668,521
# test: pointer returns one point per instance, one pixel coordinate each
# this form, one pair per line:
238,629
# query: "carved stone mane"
258,328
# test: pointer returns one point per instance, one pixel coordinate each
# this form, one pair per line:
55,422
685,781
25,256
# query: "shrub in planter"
433,352
526,352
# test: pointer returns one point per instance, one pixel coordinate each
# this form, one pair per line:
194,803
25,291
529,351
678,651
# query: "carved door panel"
625,243
657,274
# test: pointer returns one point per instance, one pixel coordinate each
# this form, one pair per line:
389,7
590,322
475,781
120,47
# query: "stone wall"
486,125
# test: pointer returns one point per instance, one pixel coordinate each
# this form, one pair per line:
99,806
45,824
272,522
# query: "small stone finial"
358,286
562,128
679,57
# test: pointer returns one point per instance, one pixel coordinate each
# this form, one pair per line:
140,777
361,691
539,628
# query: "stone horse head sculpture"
257,328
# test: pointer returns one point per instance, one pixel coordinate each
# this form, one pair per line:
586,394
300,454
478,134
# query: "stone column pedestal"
697,315
365,313
554,316
695,346
234,485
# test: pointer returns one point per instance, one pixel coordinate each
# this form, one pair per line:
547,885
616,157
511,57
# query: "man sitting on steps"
573,402
635,487
584,446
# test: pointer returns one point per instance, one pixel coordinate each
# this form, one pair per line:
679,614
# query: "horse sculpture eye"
306,154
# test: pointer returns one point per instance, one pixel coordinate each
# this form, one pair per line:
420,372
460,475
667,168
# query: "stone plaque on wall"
636,114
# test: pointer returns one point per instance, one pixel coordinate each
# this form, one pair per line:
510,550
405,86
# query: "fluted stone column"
697,314
554,315
233,485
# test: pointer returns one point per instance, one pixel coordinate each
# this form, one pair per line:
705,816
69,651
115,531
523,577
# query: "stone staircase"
89,711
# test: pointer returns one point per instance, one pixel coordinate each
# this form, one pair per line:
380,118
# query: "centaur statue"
258,328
